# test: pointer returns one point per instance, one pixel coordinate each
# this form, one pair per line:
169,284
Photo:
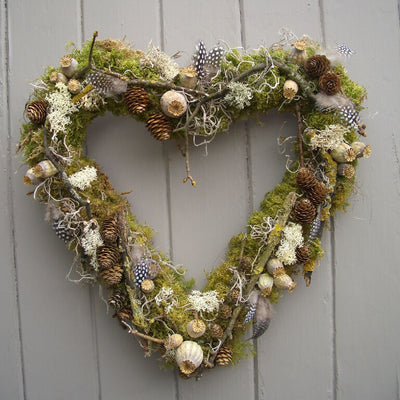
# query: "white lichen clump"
204,301
83,178
91,240
239,95
92,101
60,108
329,138
292,238
165,297
154,58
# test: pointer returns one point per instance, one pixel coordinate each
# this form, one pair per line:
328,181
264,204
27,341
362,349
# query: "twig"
300,134
64,177
273,240
188,176
143,336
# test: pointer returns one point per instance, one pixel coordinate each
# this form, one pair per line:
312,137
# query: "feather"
107,85
199,59
252,306
214,56
344,50
264,313
326,102
316,227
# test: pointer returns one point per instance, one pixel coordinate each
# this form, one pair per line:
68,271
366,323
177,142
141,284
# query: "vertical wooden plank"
295,354
11,378
366,239
205,217
134,161
59,356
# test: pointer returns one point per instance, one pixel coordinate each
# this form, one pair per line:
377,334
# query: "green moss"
267,94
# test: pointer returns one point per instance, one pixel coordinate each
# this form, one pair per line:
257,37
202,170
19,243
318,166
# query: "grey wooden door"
337,339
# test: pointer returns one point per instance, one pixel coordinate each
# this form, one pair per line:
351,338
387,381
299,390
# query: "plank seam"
10,204
333,311
322,21
80,32
168,181
95,340
242,24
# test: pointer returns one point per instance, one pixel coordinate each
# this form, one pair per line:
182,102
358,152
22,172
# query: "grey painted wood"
334,340
303,322
11,378
58,351
367,238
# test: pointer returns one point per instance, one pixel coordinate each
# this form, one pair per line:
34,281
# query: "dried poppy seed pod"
188,76
265,283
284,281
74,86
290,89
346,170
173,103
147,286
56,77
343,153
361,149
173,341
30,178
68,66
196,328
275,267
298,54
188,357
44,169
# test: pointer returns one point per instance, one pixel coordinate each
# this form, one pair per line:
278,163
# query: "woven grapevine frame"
194,330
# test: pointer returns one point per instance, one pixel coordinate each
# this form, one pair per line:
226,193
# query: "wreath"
194,330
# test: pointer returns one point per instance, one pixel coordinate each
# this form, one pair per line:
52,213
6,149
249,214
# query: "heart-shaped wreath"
194,330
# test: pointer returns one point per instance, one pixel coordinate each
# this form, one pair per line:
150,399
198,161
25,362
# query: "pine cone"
117,300
303,254
330,83
316,66
305,178
159,126
224,356
136,100
36,111
317,194
225,311
304,211
234,295
125,314
107,256
110,230
216,331
112,276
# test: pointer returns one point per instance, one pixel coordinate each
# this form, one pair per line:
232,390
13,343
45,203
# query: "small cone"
110,230
159,126
317,194
112,276
136,100
306,178
224,356
125,314
225,311
316,66
36,111
303,254
117,300
304,211
216,331
107,256
330,83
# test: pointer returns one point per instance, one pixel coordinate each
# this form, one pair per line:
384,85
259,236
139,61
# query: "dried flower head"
239,95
